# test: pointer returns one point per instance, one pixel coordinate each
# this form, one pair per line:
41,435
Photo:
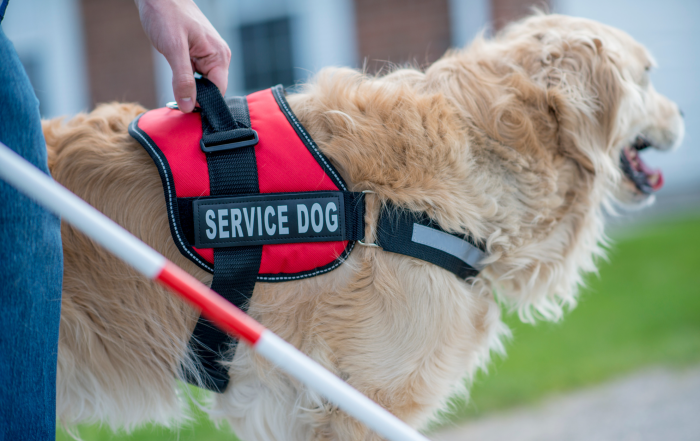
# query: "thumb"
184,86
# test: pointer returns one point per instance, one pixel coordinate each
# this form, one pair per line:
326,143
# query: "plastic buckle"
229,145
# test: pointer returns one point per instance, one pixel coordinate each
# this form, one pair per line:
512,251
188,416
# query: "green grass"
643,309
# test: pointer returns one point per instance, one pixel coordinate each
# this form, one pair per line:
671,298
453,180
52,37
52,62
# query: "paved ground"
655,405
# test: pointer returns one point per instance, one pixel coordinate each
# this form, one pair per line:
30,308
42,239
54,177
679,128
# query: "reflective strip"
449,244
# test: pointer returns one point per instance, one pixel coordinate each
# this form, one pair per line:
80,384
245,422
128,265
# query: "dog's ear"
584,89
577,75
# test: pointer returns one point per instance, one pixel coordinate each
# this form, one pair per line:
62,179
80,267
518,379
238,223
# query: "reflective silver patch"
449,244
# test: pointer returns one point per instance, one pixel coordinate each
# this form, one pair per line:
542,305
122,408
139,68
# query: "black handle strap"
232,171
223,127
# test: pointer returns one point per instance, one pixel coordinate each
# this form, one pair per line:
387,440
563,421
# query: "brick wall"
401,31
119,58
505,11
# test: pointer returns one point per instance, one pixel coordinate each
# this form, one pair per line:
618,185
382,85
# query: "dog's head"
599,90
571,100
520,139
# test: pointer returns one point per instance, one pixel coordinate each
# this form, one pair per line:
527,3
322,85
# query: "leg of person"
31,272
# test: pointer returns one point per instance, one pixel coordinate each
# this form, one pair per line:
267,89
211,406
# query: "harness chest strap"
228,143
263,213
329,216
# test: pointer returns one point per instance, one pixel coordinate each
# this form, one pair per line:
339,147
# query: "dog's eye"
645,77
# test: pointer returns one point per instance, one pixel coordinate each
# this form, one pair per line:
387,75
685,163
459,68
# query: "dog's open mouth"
646,179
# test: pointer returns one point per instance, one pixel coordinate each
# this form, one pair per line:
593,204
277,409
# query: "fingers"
214,65
184,86
188,41
219,76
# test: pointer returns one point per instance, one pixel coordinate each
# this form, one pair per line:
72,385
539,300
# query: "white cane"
29,180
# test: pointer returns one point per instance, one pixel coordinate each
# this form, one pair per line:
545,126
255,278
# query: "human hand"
179,31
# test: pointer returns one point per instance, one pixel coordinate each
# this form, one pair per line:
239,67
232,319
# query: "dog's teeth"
653,179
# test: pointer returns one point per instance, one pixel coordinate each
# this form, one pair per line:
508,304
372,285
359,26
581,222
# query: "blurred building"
81,52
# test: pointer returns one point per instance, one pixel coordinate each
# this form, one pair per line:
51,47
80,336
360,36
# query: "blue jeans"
31,272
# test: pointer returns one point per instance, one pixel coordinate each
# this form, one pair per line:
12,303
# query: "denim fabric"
31,271
3,8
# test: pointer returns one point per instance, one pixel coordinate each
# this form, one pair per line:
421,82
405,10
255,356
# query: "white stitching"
308,139
135,129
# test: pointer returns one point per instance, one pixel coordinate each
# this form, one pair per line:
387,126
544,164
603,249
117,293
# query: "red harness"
285,164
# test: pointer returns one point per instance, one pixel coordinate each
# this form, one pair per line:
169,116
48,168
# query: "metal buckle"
173,105
373,245
229,145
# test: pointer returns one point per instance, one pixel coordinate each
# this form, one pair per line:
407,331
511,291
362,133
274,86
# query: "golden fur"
515,140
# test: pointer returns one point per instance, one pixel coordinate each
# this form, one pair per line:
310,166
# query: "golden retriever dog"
520,140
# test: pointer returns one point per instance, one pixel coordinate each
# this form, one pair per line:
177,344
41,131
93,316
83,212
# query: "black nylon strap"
231,172
354,215
222,122
396,233
235,171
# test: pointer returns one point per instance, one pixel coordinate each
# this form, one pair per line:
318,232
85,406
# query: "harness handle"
222,130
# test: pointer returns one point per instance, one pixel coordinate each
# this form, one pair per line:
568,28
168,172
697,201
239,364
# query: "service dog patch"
269,219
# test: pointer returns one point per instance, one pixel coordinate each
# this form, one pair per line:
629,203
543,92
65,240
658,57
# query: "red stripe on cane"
214,307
